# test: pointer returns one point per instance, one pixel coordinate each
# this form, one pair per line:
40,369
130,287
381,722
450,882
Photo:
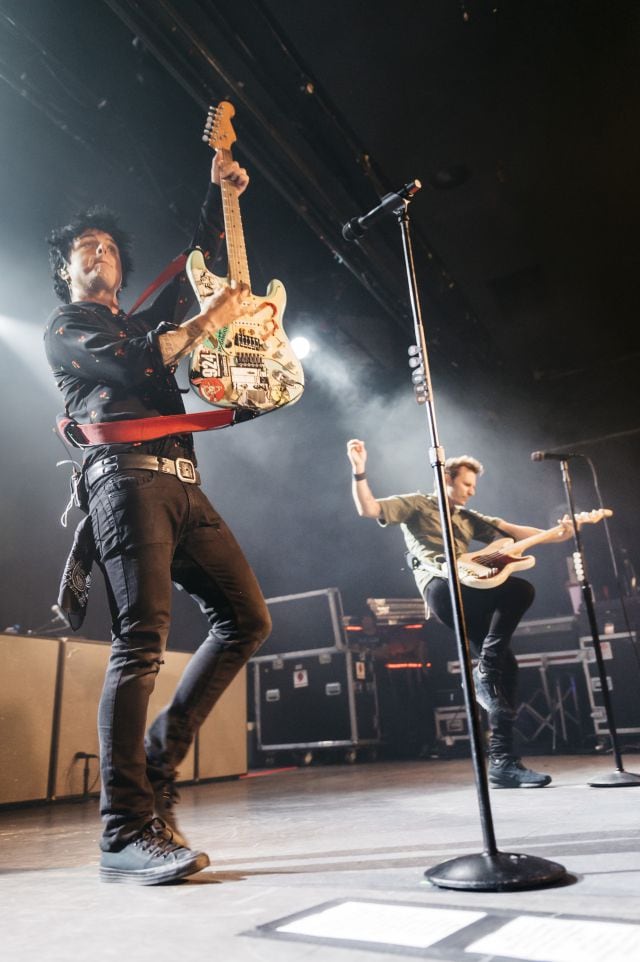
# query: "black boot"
507,771
490,692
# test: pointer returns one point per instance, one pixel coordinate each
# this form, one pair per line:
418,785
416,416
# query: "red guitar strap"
144,429
170,271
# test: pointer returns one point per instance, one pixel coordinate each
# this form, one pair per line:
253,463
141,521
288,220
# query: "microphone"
553,456
355,228
60,616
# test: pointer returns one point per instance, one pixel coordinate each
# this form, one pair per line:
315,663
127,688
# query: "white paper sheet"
540,939
388,924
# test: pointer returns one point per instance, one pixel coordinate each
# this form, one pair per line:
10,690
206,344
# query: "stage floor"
289,841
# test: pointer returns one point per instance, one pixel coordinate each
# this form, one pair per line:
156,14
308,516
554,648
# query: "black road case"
324,699
620,656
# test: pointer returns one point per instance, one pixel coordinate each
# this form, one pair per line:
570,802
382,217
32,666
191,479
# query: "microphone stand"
619,778
53,627
490,870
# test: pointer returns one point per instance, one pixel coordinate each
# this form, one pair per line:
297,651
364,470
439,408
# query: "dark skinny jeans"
152,529
491,616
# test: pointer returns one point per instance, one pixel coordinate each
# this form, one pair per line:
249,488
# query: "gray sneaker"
506,771
151,858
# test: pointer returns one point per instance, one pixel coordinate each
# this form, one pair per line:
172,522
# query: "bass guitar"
491,566
249,365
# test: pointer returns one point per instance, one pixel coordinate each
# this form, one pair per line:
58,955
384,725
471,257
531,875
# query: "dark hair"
61,239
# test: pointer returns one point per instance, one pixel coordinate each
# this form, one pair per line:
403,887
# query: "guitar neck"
585,517
234,233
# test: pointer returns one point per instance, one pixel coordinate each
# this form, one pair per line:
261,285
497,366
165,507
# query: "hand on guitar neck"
564,528
229,171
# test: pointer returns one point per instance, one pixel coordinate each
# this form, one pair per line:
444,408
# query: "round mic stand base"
615,780
496,872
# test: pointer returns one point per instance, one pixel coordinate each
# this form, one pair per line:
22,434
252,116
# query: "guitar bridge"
247,359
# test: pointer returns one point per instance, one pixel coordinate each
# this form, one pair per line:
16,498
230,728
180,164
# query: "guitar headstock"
218,132
592,517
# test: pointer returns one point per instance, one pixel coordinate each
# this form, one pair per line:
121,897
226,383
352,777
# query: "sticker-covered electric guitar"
250,364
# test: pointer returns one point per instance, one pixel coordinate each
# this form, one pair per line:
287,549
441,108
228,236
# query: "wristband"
359,477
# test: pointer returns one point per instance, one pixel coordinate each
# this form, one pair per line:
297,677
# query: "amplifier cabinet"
49,693
28,707
622,663
321,700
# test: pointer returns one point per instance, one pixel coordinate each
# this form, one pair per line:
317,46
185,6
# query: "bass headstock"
218,130
592,517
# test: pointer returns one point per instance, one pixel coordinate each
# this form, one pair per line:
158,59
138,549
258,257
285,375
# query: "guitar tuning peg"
204,139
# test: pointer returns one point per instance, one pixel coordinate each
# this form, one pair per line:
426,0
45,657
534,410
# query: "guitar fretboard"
236,249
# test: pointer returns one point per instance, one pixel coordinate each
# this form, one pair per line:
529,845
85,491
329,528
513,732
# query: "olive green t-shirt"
419,518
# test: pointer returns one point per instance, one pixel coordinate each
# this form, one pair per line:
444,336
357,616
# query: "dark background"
521,121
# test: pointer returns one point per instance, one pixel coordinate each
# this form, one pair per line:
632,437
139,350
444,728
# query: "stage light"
23,339
301,347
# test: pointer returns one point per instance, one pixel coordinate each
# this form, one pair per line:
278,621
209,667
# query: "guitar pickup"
248,341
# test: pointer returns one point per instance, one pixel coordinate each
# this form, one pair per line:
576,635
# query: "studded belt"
182,468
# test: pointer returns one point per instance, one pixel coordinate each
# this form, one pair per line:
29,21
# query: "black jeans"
151,529
491,616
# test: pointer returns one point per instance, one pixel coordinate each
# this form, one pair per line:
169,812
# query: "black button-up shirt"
109,367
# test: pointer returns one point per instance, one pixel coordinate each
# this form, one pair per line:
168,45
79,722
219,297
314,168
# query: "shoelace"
156,838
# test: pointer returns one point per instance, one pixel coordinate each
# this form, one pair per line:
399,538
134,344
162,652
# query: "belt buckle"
186,471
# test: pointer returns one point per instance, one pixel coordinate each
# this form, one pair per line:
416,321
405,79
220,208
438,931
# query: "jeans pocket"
120,487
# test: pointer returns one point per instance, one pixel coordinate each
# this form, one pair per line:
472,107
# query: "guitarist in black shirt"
151,525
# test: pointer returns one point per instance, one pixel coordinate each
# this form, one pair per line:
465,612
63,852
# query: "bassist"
491,615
